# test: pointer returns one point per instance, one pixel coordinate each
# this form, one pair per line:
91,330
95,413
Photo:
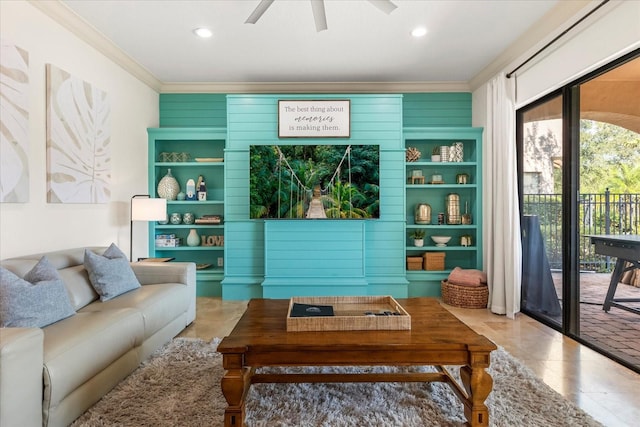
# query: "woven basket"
414,263
465,296
434,261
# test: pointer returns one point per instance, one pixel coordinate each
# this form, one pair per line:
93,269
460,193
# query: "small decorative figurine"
413,154
202,191
190,193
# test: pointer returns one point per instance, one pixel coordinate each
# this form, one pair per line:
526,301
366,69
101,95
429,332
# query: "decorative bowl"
441,240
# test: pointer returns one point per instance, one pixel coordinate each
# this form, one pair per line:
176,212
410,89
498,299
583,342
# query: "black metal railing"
599,213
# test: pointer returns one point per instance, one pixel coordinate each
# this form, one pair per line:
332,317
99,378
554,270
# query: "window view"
605,140
609,204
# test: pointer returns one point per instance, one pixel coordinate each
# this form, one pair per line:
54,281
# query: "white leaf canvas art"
78,140
14,123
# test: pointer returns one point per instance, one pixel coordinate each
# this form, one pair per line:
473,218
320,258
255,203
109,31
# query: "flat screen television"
314,181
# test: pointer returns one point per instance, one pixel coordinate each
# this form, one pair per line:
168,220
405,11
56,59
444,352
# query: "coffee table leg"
233,388
478,383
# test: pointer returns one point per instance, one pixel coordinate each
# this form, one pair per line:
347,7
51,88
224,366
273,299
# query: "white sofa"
49,376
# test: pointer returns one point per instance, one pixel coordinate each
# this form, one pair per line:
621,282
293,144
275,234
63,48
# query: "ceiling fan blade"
258,11
384,5
318,15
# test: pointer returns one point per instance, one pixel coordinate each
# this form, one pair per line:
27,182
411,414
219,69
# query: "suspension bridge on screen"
299,192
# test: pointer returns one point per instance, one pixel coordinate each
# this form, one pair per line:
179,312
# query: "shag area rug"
180,386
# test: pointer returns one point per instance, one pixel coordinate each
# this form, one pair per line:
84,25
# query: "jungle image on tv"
314,181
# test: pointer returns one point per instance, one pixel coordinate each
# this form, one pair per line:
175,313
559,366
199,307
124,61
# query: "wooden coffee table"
437,338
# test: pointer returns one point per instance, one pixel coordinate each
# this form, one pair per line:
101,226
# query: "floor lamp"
145,208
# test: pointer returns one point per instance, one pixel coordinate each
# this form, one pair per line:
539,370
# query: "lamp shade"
148,209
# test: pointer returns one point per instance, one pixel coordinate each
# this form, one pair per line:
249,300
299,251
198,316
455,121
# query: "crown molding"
315,87
547,27
67,18
64,16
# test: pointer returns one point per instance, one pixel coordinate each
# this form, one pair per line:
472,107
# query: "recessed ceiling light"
203,32
419,32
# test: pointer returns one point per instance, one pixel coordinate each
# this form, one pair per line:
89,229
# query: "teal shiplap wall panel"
314,258
376,120
237,180
391,182
385,239
244,252
260,128
193,110
418,109
446,109
314,249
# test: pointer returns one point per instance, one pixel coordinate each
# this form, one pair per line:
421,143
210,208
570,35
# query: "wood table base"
475,388
437,338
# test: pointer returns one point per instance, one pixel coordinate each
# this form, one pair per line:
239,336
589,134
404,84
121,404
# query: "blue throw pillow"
110,273
37,300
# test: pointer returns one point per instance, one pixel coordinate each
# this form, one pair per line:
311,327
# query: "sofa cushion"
79,288
21,376
110,273
159,304
84,345
37,300
19,267
70,265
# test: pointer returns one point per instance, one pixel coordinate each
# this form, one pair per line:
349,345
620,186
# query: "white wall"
611,32
39,226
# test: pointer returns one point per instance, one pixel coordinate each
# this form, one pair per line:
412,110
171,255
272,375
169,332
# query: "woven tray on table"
464,296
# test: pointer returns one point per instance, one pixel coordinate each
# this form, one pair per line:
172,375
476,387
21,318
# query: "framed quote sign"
304,118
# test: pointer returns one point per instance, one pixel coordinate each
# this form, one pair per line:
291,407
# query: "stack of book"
168,241
209,219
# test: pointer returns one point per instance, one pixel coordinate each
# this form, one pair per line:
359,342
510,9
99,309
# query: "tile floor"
606,390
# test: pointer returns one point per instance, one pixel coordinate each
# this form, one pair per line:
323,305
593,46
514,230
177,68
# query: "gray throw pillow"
110,273
37,300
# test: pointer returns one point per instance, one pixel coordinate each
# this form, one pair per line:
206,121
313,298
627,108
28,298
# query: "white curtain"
502,248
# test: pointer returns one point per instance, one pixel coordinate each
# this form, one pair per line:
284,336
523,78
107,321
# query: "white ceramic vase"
193,239
168,187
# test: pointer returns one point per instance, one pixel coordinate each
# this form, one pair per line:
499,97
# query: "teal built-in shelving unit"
198,143
264,258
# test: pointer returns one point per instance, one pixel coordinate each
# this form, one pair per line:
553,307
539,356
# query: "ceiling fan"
317,6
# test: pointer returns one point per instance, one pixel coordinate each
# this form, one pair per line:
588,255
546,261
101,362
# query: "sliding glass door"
542,218
609,204
579,176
